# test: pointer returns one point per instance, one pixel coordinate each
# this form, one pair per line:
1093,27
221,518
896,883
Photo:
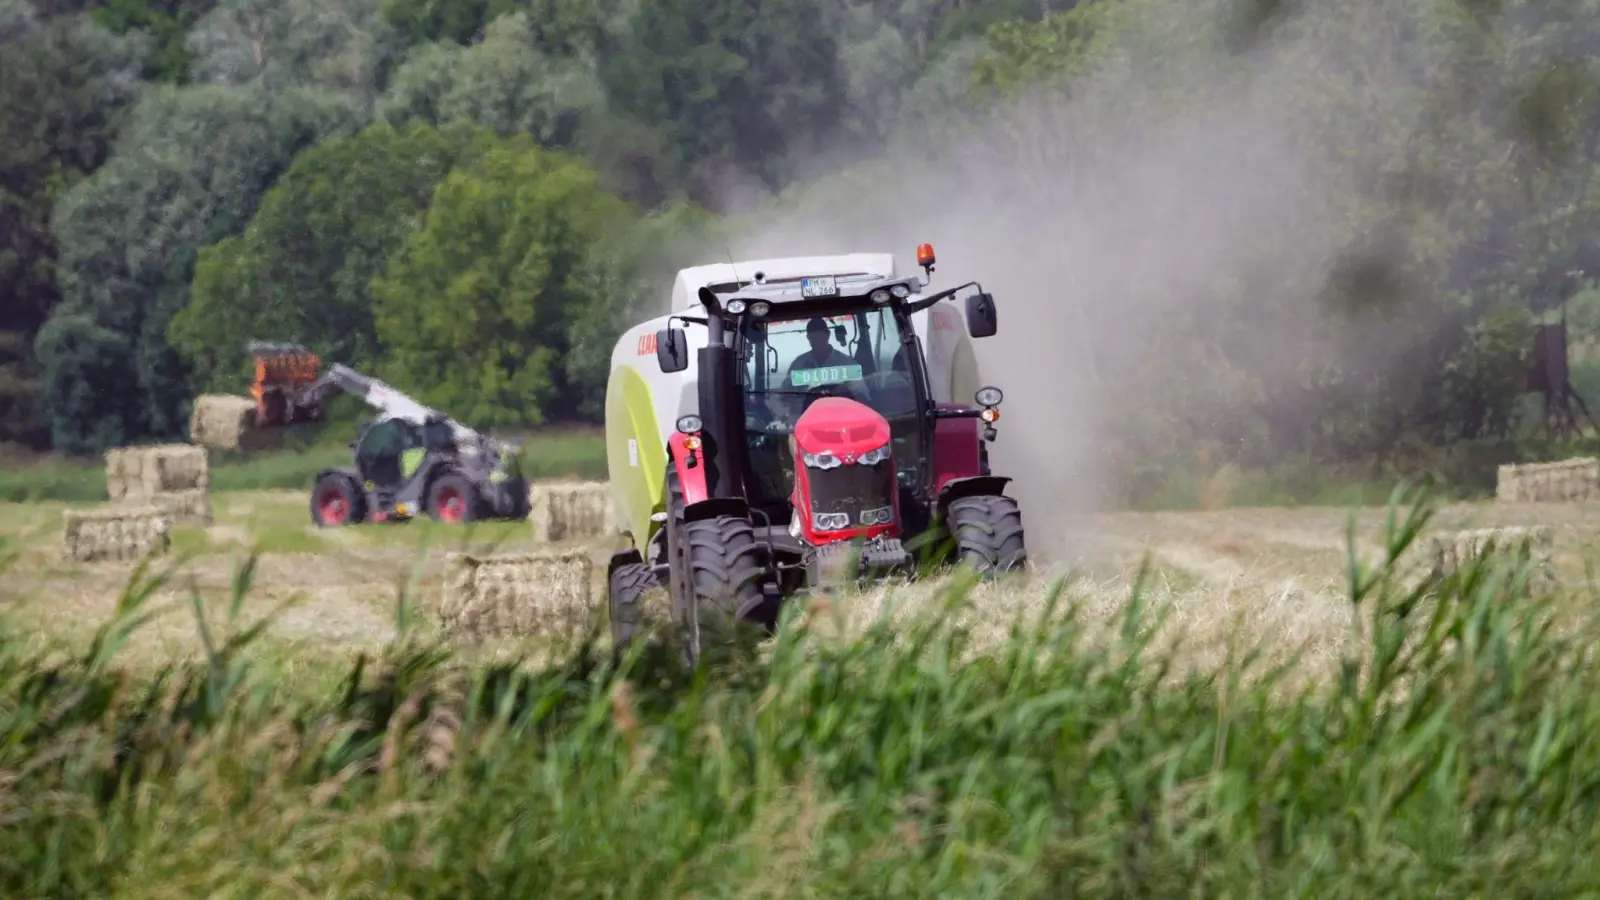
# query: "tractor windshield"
789,363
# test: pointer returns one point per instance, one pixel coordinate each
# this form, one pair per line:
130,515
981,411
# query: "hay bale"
1568,481
227,422
570,510
1533,545
185,507
516,595
115,533
139,473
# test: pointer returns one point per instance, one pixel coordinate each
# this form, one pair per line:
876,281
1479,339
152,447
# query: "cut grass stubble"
946,751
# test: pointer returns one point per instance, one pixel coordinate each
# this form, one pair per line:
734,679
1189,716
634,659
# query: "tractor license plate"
821,286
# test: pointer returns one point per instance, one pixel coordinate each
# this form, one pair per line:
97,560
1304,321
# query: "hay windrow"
115,533
570,510
521,595
1569,481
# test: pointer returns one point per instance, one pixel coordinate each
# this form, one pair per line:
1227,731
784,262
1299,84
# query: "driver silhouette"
822,353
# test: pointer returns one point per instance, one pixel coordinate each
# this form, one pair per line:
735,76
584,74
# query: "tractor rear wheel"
453,498
337,500
724,570
988,533
628,585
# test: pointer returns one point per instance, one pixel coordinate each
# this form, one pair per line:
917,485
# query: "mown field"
1097,729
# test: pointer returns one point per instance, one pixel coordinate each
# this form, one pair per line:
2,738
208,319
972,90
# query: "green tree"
302,270
755,90
474,312
190,167
65,87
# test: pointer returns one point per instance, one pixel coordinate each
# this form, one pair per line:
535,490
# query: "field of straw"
1220,703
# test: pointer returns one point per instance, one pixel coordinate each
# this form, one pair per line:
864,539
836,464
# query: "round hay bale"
516,595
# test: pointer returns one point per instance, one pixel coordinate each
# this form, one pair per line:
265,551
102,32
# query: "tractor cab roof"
776,274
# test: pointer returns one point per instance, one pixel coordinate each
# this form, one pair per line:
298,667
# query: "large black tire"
337,500
725,570
453,498
629,583
988,533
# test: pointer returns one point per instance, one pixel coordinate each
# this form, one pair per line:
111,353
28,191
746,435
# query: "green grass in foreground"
1455,758
575,454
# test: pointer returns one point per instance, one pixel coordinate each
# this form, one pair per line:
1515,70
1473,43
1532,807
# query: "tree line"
1263,228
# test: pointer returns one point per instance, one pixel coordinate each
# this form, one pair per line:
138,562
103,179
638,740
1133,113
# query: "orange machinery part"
278,374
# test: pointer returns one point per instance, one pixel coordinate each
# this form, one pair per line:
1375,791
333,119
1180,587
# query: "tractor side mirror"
981,320
672,350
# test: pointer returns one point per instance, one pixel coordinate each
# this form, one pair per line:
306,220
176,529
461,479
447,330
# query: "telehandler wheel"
988,533
453,498
725,569
629,583
337,500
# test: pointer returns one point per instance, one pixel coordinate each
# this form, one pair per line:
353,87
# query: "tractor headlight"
736,306
883,515
830,521
874,456
689,424
760,308
989,396
823,460
880,296
900,291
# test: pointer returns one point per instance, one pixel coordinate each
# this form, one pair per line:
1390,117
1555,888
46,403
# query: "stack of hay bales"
227,422
570,511
116,533
516,595
1569,481
175,478
1532,546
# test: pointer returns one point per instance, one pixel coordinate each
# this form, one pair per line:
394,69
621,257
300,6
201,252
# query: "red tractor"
818,453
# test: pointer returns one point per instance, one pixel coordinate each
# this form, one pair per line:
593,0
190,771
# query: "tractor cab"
802,354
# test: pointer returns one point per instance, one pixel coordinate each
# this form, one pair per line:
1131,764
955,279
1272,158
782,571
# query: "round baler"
795,422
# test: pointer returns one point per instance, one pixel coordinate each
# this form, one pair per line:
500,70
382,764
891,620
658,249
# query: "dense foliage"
1265,232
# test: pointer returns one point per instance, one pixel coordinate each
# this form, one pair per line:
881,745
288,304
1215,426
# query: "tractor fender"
691,466
716,506
352,474
630,556
975,486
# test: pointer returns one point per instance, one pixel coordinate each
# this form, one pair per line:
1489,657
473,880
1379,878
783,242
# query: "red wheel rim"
451,505
332,506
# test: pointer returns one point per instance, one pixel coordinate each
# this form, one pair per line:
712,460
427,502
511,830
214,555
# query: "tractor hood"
841,427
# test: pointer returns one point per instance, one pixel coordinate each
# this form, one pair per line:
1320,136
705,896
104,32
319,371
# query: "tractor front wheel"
628,586
453,498
988,533
337,500
722,584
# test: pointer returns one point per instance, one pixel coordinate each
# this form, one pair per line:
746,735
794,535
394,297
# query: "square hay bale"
1568,481
185,507
139,473
1533,545
115,533
227,422
570,510
516,595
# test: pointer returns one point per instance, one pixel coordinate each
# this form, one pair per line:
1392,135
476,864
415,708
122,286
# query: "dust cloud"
1122,226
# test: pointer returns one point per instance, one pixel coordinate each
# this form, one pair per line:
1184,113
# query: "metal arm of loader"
381,397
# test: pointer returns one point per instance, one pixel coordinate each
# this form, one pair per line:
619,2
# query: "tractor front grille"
860,492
